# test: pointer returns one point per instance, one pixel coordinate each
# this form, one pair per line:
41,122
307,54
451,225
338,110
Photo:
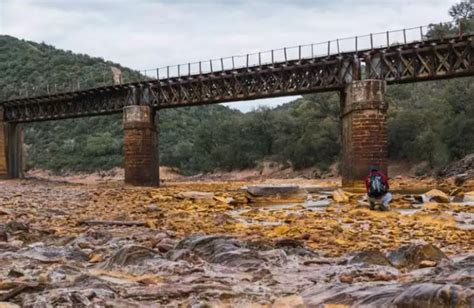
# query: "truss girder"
429,60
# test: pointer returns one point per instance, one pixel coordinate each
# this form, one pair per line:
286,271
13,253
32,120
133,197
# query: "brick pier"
140,146
11,149
364,130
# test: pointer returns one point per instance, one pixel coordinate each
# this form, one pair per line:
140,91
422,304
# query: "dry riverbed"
232,243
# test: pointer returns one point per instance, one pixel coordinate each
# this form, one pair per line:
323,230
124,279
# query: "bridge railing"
252,60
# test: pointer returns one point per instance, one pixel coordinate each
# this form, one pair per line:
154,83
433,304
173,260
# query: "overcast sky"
144,34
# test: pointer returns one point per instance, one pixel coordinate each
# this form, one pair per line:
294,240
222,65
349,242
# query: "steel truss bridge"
419,60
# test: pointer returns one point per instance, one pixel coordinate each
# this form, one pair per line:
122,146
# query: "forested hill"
430,122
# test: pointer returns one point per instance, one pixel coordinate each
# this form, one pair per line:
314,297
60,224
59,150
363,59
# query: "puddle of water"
464,220
464,203
311,205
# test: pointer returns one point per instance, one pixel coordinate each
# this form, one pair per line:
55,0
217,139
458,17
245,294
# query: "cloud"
147,34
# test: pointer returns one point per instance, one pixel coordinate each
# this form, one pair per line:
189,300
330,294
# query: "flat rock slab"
196,195
266,190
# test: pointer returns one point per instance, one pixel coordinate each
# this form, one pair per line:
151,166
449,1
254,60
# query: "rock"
54,254
346,278
165,245
272,190
419,199
427,263
460,179
8,305
15,226
433,206
409,295
294,247
437,196
292,301
459,198
220,249
221,219
435,295
374,257
340,196
15,273
411,256
129,255
469,196
228,200
464,166
3,236
152,208
457,191
195,195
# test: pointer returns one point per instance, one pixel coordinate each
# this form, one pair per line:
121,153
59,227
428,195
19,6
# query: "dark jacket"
382,175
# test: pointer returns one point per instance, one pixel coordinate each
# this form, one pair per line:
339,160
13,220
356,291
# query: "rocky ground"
235,244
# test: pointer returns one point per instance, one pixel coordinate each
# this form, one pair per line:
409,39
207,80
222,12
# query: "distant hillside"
430,122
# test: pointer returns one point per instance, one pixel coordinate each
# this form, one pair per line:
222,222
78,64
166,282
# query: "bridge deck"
402,63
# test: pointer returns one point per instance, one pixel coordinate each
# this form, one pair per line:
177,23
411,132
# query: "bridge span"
360,75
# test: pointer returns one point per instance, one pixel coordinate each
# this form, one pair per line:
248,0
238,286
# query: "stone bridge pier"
141,160
364,130
11,149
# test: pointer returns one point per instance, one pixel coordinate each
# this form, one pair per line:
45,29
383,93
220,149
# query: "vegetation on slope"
431,121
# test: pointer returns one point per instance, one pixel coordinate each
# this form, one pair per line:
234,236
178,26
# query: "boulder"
434,295
272,190
374,257
219,249
129,255
437,196
412,256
